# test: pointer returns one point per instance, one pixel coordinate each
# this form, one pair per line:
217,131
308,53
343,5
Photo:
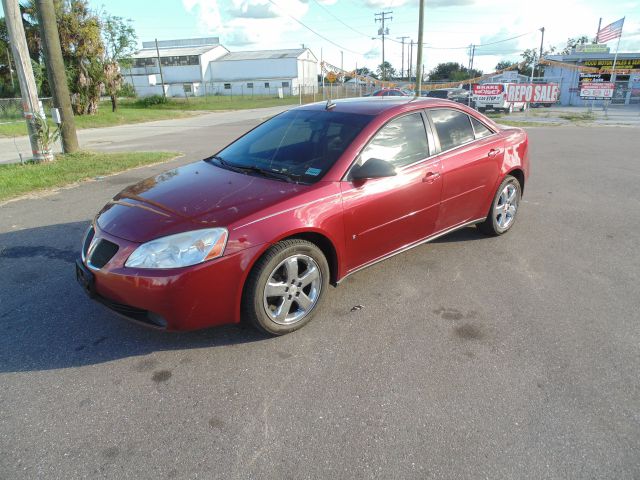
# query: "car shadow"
47,322
463,235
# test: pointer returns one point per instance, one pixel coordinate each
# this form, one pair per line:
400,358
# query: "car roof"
377,105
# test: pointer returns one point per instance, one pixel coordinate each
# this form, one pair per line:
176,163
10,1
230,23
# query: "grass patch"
16,179
104,118
577,117
135,111
215,103
525,123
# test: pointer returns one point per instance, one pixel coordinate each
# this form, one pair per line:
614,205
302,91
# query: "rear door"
386,214
471,155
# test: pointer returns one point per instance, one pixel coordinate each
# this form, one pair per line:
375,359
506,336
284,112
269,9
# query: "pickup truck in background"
492,96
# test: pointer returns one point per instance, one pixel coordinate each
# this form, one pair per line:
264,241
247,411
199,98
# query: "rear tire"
504,207
482,109
285,287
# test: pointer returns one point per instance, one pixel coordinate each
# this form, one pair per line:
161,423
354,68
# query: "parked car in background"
259,230
387,92
493,96
459,95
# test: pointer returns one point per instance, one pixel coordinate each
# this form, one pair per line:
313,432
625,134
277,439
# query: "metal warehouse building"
201,66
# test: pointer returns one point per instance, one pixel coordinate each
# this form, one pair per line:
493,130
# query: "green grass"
214,103
577,117
16,179
525,123
133,111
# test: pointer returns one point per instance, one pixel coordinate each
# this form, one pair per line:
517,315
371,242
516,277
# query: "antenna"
330,105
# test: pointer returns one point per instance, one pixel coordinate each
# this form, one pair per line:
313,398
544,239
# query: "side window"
453,128
400,142
480,129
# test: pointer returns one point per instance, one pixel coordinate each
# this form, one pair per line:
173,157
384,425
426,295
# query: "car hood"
199,195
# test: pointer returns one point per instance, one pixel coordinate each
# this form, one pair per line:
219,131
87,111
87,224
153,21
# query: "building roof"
579,57
262,55
175,51
183,42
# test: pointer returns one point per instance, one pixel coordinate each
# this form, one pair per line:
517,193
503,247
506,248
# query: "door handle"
431,177
493,152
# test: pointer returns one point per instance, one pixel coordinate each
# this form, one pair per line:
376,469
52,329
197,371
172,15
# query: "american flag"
610,32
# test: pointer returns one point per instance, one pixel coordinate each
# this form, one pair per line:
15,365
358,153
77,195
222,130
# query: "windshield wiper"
254,169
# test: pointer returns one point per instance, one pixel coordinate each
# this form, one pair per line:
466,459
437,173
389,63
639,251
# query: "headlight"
180,250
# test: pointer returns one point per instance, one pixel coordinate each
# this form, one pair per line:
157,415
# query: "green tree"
386,71
573,42
452,71
120,41
504,64
530,58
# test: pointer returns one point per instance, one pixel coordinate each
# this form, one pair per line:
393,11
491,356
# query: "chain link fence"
11,108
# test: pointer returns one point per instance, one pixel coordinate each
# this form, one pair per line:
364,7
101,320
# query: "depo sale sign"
533,92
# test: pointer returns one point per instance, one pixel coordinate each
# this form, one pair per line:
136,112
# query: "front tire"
285,287
502,214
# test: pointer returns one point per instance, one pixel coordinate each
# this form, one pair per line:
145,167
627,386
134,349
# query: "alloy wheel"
506,206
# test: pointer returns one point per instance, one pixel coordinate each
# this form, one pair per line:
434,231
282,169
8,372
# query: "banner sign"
596,87
533,92
488,89
621,63
591,48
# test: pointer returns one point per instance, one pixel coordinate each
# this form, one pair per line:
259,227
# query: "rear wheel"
504,207
285,287
482,109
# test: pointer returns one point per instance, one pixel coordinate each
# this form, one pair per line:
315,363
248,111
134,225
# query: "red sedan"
258,231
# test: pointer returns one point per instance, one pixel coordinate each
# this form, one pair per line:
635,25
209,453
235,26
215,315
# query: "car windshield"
298,145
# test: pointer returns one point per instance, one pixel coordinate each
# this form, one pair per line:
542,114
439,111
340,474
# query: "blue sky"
451,25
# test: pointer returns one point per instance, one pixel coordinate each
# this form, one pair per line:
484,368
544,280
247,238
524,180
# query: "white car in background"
493,96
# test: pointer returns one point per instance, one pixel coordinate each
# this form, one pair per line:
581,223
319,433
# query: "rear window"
479,128
453,128
303,144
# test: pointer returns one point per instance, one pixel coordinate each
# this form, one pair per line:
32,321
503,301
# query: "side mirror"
373,168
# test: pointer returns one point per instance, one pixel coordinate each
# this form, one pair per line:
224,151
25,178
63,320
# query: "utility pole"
164,94
402,39
410,63
382,17
56,74
419,59
473,54
540,56
28,90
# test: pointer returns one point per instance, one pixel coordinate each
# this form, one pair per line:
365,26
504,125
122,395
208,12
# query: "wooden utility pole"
56,74
419,66
28,90
382,17
164,94
402,39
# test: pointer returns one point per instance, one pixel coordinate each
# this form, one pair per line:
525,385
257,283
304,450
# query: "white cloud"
247,22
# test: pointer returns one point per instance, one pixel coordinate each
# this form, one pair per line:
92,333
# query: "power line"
338,19
316,33
480,45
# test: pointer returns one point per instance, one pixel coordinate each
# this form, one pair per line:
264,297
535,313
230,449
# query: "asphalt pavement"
470,357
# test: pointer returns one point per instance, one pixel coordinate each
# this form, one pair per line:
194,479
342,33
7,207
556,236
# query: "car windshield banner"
533,92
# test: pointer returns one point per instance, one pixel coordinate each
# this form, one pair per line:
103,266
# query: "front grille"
133,313
87,240
102,253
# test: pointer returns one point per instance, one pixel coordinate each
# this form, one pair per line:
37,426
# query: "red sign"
533,92
488,89
597,90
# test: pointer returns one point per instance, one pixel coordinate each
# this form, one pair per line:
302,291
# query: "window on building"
266,84
250,85
227,86
188,87
400,142
480,129
285,84
453,128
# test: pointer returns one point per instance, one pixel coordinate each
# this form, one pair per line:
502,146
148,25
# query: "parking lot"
470,357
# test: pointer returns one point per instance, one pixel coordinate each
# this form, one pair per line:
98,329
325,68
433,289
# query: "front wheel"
285,287
504,207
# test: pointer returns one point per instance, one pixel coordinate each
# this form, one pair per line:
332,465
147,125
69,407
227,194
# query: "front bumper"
189,298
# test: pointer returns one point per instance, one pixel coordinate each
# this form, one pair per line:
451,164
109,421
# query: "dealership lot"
471,357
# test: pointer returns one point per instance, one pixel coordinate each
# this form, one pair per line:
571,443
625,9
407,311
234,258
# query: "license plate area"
85,278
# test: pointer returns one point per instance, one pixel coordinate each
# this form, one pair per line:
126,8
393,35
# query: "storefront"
626,81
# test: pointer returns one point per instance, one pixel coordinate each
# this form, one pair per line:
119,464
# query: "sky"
329,27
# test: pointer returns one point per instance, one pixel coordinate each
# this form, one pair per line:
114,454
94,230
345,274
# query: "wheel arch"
518,173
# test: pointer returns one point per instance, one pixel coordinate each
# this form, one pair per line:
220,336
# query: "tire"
285,264
509,109
498,220
482,109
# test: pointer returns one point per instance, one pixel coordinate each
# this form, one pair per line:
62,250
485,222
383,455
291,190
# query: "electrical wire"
316,33
338,19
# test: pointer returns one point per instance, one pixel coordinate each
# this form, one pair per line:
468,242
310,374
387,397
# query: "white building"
185,65
264,72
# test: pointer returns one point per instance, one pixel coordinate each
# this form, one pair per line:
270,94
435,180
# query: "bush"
127,91
152,100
